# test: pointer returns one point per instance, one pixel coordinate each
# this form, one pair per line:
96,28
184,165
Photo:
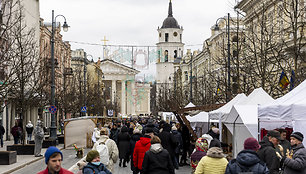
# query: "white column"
123,98
133,89
113,90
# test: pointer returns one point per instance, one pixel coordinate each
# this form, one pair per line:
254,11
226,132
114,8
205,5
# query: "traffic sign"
52,109
83,109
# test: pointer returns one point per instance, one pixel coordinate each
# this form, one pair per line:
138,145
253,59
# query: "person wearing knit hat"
247,160
53,159
94,165
295,160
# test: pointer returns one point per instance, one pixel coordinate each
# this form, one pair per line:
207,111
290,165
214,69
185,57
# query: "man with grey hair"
38,138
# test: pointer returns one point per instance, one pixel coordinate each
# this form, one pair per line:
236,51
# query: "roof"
170,21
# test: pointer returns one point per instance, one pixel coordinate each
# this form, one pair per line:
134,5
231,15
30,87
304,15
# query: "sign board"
52,109
110,112
83,109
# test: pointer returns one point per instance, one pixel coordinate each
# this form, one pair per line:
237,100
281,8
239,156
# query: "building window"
186,76
166,55
175,53
166,37
181,37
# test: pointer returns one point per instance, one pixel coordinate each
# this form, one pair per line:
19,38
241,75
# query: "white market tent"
222,111
287,110
199,122
225,109
242,121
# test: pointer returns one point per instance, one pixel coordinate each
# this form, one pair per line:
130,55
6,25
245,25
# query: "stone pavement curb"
28,163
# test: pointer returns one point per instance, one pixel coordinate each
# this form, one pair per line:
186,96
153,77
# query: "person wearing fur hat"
53,159
247,160
213,163
295,161
94,165
201,147
111,146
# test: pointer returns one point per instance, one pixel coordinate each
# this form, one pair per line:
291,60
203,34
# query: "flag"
218,90
283,81
292,79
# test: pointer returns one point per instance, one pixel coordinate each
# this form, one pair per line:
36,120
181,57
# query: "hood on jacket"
265,142
145,140
215,152
247,158
156,148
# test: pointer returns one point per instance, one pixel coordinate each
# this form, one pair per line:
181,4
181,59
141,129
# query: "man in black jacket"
267,152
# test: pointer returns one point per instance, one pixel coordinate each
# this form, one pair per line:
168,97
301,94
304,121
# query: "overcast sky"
133,22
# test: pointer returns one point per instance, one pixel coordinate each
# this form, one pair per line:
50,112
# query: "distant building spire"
170,9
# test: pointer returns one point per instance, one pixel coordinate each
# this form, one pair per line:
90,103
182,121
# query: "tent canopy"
218,113
190,105
289,109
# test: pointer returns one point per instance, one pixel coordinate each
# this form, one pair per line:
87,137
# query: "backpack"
103,151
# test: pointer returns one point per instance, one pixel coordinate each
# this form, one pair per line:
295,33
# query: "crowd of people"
153,147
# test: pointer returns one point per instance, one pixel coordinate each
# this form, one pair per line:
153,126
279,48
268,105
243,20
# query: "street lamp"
228,54
65,28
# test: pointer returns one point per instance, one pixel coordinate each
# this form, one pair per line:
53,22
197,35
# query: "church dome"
170,21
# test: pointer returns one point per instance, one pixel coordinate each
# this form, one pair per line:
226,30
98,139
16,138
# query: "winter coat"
186,137
296,165
2,130
134,139
140,149
168,141
157,160
123,143
29,130
16,131
112,151
91,168
114,134
62,171
246,161
178,137
268,155
212,163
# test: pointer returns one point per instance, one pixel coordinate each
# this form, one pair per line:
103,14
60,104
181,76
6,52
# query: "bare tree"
20,60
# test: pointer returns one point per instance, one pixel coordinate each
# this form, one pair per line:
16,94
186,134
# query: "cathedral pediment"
111,67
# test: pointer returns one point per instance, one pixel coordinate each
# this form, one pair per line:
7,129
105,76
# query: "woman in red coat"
140,149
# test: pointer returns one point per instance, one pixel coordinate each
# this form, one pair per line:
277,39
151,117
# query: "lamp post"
65,28
190,99
228,91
